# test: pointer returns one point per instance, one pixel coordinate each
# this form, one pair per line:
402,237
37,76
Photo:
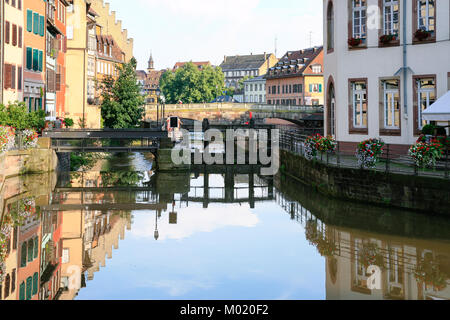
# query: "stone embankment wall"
21,162
426,194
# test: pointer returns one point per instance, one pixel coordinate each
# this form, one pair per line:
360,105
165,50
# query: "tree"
122,105
16,115
191,85
241,82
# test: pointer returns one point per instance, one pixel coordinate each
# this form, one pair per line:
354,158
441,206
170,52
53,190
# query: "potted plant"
368,152
317,143
30,139
425,154
354,42
7,138
422,34
387,38
370,255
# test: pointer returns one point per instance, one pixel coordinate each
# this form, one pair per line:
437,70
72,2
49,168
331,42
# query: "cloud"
180,287
194,220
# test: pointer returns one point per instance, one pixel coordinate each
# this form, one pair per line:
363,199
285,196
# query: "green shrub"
17,116
428,129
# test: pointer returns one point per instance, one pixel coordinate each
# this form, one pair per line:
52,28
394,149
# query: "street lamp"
163,101
156,235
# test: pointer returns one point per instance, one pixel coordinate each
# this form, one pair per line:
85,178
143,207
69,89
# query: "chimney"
265,56
224,58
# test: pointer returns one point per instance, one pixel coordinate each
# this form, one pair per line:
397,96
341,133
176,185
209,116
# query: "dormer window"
317,68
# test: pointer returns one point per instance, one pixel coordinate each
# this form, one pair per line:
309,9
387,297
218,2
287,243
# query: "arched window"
331,109
330,26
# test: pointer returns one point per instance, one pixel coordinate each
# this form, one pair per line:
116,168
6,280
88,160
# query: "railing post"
446,163
387,158
338,155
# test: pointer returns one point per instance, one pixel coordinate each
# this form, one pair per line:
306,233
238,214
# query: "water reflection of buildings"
53,254
87,236
368,265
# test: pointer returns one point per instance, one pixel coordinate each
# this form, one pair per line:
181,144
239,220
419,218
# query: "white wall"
374,63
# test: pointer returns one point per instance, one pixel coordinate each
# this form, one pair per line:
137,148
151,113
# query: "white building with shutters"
385,62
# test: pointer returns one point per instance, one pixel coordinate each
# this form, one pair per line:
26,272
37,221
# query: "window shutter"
19,78
29,20
36,23
320,87
8,76
23,255
29,58
41,26
30,250
36,247
29,288
20,37
13,77
7,32
22,291
35,59
35,283
65,45
14,35
58,79
41,60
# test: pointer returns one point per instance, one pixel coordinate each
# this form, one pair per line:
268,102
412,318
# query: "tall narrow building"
80,20
34,54
55,58
12,51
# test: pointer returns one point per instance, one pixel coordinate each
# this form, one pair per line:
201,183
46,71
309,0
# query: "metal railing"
390,161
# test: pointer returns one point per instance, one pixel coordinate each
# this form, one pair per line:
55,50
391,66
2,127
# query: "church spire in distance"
151,62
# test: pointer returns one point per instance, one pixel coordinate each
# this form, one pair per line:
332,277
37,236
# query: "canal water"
130,233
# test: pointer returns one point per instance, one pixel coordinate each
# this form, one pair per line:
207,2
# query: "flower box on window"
422,35
388,38
355,42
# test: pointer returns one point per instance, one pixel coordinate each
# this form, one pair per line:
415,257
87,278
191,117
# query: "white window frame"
427,16
360,102
362,27
388,10
389,94
428,92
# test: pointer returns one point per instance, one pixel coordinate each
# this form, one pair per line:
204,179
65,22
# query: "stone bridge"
231,111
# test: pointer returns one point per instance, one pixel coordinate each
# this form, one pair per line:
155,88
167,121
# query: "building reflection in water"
49,253
361,264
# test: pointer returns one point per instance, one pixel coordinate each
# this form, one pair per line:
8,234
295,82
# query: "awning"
438,111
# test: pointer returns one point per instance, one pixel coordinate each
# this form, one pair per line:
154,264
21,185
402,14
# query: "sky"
207,30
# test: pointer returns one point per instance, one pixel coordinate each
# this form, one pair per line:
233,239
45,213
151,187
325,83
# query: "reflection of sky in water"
224,252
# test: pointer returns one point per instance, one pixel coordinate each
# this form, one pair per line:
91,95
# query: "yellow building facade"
112,27
84,18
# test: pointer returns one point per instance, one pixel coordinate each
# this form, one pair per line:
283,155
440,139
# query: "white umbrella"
438,111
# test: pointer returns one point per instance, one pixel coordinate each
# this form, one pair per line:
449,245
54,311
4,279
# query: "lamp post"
163,101
156,234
